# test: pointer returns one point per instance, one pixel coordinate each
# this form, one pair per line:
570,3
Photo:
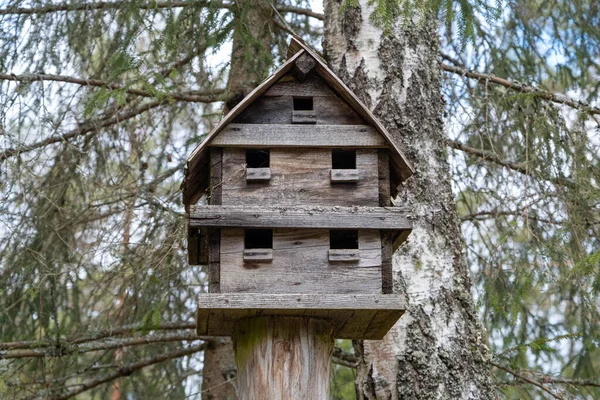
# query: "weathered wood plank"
370,317
345,175
298,177
283,357
300,264
258,174
383,172
387,276
344,255
258,255
290,86
216,175
287,135
329,110
214,260
303,67
393,218
304,117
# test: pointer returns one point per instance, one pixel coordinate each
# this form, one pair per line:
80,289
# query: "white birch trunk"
436,350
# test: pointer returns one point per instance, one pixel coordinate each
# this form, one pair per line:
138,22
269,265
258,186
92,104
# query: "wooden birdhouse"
298,179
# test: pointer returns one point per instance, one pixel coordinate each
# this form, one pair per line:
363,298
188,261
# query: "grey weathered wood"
216,175
383,172
345,175
393,218
387,278
258,174
258,255
344,255
214,260
283,135
283,357
311,87
299,177
307,117
303,67
300,264
353,316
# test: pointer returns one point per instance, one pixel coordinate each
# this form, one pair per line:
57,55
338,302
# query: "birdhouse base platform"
353,316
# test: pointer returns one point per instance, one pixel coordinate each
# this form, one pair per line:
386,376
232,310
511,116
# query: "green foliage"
461,14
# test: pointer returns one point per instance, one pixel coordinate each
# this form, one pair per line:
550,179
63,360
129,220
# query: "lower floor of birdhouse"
352,316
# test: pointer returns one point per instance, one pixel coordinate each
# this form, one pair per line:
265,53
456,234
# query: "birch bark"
437,350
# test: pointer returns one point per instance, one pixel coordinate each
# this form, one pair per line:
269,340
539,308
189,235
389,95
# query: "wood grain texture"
344,255
313,87
326,217
216,175
297,136
300,264
353,316
387,277
300,177
345,175
303,66
329,110
258,255
283,357
304,117
258,174
214,260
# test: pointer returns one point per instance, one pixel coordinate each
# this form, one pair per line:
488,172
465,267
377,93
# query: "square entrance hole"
258,238
258,158
343,239
343,159
303,103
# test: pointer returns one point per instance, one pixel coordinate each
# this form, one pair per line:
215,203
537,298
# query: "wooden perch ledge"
353,316
301,217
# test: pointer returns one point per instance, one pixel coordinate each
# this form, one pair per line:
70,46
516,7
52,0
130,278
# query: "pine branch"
121,330
45,349
493,214
84,129
519,87
129,369
566,381
528,380
197,97
103,5
490,156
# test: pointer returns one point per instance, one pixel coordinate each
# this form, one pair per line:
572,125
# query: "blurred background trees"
101,102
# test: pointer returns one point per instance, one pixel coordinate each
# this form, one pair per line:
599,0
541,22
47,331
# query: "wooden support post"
282,357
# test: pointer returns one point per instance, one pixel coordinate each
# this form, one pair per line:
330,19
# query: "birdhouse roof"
196,174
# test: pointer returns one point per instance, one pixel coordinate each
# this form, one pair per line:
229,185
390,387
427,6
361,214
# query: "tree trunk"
283,358
437,350
250,62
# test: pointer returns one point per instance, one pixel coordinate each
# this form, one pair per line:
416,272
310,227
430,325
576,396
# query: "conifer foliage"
101,102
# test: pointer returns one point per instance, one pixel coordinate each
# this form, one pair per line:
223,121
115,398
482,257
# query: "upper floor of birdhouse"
300,138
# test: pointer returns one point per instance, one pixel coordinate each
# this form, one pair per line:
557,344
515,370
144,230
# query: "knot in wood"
287,347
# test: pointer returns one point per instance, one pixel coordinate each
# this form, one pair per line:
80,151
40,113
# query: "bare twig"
490,156
98,335
104,5
90,126
197,97
519,87
526,379
492,214
129,369
43,349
